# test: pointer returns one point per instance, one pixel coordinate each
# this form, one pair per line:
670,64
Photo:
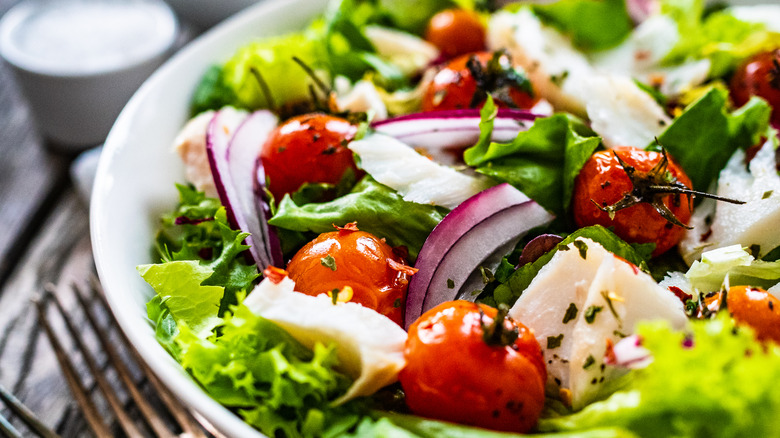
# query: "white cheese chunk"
611,296
753,224
370,345
408,52
621,113
417,178
190,144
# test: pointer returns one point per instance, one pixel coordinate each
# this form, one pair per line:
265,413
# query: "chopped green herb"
588,362
767,194
571,313
583,247
329,262
397,303
554,341
450,284
619,334
487,276
605,294
590,313
334,295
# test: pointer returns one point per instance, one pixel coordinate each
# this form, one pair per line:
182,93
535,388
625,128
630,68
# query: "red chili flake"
401,267
705,235
276,275
352,226
681,294
609,355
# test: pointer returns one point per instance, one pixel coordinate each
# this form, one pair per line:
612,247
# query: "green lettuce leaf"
376,208
509,291
720,37
198,230
178,286
722,386
542,162
591,24
707,134
272,58
710,273
276,384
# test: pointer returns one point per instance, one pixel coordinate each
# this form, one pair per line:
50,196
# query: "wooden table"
44,240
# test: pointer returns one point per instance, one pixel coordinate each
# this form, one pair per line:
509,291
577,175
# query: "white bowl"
135,184
78,62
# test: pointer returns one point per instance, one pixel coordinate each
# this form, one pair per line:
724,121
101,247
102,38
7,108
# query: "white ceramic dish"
135,184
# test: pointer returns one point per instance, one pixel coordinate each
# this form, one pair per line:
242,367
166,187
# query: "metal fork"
92,303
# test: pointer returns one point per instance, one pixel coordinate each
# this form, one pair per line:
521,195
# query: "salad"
455,218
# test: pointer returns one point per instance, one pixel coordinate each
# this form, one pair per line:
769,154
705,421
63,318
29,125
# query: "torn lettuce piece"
732,264
376,208
541,162
702,153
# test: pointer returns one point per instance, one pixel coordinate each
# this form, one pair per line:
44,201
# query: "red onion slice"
242,154
464,239
233,142
435,130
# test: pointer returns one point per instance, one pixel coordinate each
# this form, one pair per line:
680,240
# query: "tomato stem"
497,333
496,79
652,187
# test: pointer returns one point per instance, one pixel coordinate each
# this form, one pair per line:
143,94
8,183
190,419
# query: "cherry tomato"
454,374
454,86
361,267
753,307
759,76
603,182
456,32
308,148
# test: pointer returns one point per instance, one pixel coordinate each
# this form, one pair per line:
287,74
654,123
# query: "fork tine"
25,414
148,413
8,429
182,416
77,388
122,417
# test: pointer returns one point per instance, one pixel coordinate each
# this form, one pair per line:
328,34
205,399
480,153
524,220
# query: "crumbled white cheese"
370,346
417,178
610,295
753,224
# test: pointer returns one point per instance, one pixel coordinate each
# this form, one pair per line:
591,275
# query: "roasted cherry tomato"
357,266
456,32
605,184
753,307
455,85
759,76
468,363
309,148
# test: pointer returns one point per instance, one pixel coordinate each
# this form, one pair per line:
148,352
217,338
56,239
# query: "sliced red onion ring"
435,130
629,353
466,237
233,142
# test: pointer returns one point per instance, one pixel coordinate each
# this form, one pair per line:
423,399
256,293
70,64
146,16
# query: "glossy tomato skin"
451,374
456,32
759,76
604,181
308,148
360,260
756,308
453,87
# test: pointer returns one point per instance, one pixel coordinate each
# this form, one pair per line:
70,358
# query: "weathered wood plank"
30,176
59,255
